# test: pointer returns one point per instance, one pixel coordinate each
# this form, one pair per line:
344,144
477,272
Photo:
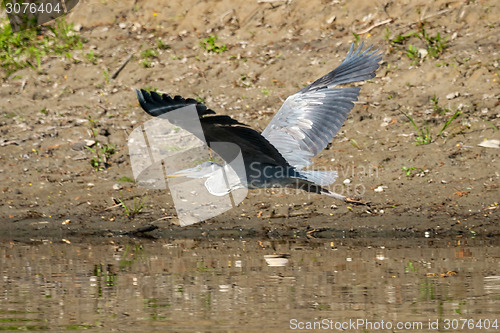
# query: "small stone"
453,95
347,181
117,187
490,144
77,27
80,145
122,25
331,20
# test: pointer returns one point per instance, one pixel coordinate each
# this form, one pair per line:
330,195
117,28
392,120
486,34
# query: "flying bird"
304,125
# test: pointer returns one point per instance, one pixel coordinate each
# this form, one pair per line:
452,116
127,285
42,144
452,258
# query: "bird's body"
304,125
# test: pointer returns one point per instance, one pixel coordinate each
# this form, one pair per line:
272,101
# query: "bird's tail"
322,178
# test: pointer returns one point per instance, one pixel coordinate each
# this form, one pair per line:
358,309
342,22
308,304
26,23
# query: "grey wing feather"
357,66
309,119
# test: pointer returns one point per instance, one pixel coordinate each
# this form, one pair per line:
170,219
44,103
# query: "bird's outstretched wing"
310,118
216,128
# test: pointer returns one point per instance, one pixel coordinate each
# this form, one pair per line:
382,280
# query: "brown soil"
50,189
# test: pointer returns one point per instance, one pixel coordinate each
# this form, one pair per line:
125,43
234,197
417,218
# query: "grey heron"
304,125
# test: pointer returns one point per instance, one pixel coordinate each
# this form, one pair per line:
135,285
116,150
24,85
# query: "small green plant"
399,39
92,57
152,53
147,56
150,89
131,255
102,152
265,91
200,99
436,107
27,48
412,53
492,126
435,45
407,171
149,53
448,122
424,136
435,101
357,38
410,268
161,46
355,144
44,111
135,209
387,35
106,76
210,46
126,179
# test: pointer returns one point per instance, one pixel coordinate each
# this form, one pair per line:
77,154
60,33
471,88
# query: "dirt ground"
274,48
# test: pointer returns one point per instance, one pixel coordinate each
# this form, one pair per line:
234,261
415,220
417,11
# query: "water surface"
249,285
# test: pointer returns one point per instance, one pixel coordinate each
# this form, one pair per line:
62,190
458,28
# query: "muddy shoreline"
448,187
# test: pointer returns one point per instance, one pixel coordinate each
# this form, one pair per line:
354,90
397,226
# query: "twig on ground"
115,74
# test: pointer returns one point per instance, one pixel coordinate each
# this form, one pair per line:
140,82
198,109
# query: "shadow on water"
249,284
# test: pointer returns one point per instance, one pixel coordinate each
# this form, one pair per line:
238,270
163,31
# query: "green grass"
28,48
92,57
423,137
136,208
126,179
101,151
412,53
200,99
210,45
106,76
357,38
423,133
492,126
435,45
152,53
150,89
449,121
161,46
147,56
407,171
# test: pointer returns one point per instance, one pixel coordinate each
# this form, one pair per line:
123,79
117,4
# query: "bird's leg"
352,200
320,190
211,156
334,195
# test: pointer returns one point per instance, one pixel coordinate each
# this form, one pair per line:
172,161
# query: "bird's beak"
175,175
